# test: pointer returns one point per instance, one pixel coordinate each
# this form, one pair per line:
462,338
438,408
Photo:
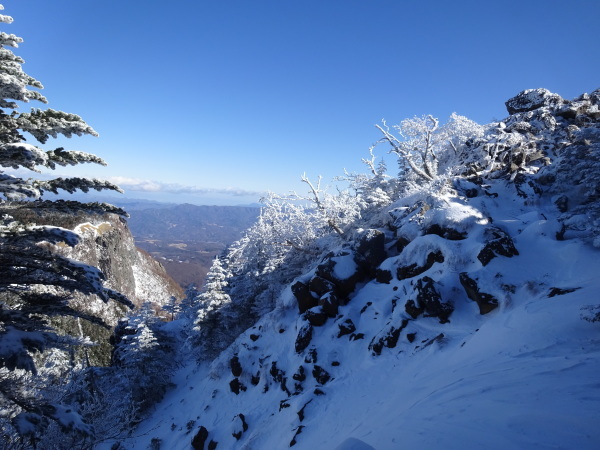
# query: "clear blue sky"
245,95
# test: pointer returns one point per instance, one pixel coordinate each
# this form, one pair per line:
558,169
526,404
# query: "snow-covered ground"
481,328
525,375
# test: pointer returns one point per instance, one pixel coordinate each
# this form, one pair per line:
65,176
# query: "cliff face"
109,245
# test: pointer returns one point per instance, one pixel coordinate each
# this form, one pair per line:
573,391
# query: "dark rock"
303,296
304,338
413,270
546,179
401,243
430,299
560,291
497,242
283,404
371,250
320,286
255,379
329,304
532,99
316,318
298,431
344,280
411,337
364,308
236,386
276,373
212,445
311,356
284,387
438,338
389,340
279,377
335,363
200,438
383,276
346,327
412,309
562,203
244,426
236,367
300,374
447,233
321,375
254,337
357,336
486,302
318,391
376,346
301,412
244,423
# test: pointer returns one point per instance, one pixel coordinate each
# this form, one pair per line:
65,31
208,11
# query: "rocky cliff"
109,245
106,243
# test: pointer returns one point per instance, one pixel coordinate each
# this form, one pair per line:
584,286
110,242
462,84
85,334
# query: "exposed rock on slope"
465,320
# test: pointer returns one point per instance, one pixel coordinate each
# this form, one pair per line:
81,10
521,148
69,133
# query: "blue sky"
216,102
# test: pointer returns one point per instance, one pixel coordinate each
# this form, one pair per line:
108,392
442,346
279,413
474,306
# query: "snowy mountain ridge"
464,313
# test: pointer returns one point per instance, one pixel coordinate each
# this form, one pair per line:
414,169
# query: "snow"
523,376
345,267
354,444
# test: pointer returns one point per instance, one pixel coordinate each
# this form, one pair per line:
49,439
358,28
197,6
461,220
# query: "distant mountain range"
222,224
185,238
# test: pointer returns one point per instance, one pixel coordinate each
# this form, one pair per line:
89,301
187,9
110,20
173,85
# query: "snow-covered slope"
466,317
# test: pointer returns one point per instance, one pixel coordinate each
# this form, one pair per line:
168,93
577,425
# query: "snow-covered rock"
531,99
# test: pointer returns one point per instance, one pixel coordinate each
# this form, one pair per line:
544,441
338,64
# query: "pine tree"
35,282
172,308
214,317
214,295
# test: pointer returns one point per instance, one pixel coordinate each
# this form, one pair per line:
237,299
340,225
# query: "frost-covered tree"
375,188
172,307
424,148
15,152
143,356
35,282
214,317
330,211
213,295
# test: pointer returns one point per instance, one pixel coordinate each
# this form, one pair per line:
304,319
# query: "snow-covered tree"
375,188
213,295
172,307
424,148
143,356
213,315
35,282
15,153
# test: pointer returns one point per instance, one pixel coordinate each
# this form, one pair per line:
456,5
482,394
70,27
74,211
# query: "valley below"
185,238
